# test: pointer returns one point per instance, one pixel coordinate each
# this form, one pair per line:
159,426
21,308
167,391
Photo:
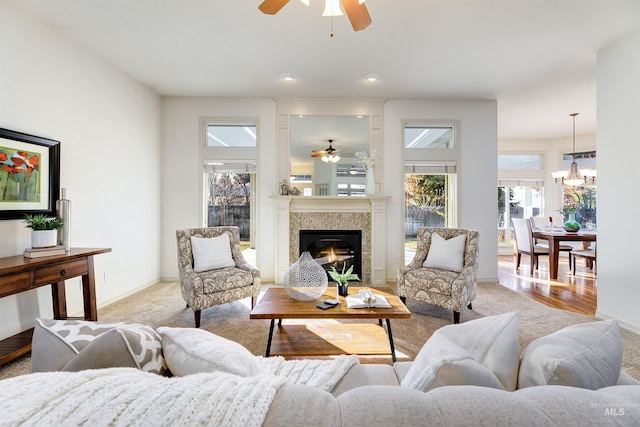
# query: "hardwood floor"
572,293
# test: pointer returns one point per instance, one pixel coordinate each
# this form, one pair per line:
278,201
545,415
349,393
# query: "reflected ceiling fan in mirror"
356,10
329,155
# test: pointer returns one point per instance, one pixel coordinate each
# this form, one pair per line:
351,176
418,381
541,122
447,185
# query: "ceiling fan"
327,155
356,11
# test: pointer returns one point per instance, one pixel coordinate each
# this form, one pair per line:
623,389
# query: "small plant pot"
44,238
343,289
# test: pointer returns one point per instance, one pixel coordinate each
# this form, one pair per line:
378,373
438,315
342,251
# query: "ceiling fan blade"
318,154
357,13
271,7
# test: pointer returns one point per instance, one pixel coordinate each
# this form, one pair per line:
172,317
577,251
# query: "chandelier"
573,176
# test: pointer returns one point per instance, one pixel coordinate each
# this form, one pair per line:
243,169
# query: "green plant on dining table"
570,207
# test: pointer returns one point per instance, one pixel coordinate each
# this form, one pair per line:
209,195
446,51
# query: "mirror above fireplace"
315,176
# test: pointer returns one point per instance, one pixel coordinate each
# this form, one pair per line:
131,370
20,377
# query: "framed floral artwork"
29,174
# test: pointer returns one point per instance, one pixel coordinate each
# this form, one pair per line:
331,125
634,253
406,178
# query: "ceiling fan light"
332,8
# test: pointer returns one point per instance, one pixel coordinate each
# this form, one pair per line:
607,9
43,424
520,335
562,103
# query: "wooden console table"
19,274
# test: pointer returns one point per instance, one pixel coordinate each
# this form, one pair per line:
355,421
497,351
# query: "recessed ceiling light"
372,77
288,76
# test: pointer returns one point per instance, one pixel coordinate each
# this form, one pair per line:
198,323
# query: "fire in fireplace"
334,248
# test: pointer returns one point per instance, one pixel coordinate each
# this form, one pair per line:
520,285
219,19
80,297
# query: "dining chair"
538,222
589,256
524,243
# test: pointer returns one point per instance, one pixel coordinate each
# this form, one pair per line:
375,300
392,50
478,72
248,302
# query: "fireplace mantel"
331,204
371,210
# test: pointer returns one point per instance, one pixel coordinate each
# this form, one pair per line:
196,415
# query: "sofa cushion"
190,351
482,352
211,253
366,374
57,342
587,355
481,406
446,254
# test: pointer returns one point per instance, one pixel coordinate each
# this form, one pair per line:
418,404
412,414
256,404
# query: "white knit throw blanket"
128,397
322,374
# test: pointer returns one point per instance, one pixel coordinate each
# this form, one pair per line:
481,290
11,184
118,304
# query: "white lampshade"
574,178
332,8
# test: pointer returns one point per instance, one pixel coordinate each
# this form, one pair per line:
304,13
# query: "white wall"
109,129
618,204
477,172
182,171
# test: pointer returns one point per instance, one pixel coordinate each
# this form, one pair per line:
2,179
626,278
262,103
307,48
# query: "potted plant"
569,210
343,278
44,230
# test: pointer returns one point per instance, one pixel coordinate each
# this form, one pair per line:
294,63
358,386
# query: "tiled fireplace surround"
333,213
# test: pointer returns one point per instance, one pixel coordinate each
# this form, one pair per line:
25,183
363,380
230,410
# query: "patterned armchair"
218,286
444,288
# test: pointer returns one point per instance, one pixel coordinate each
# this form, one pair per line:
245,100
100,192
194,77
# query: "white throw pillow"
211,253
482,352
446,254
586,355
190,351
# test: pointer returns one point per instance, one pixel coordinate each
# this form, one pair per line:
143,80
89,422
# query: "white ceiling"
536,57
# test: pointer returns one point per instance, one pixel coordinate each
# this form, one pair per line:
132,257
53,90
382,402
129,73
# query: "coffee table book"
42,252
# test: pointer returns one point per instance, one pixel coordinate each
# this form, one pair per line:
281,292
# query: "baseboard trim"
624,325
129,292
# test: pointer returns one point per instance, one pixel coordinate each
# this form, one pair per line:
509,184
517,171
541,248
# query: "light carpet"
162,305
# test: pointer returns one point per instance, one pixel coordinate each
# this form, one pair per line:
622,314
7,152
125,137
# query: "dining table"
554,237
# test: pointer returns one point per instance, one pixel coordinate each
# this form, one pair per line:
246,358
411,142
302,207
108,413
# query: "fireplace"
334,248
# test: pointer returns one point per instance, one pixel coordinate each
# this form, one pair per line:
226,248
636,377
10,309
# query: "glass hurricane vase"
571,225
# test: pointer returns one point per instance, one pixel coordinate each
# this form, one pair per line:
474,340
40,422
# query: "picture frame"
29,174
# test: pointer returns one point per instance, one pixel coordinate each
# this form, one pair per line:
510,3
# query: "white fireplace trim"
373,246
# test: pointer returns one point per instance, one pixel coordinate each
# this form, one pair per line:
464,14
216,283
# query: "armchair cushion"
587,355
483,352
191,351
211,253
446,254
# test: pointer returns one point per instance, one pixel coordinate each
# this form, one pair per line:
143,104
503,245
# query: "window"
517,199
519,162
417,136
429,194
351,189
231,135
228,182
432,153
229,194
585,196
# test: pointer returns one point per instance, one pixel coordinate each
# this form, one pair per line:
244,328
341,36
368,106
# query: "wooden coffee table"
328,338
